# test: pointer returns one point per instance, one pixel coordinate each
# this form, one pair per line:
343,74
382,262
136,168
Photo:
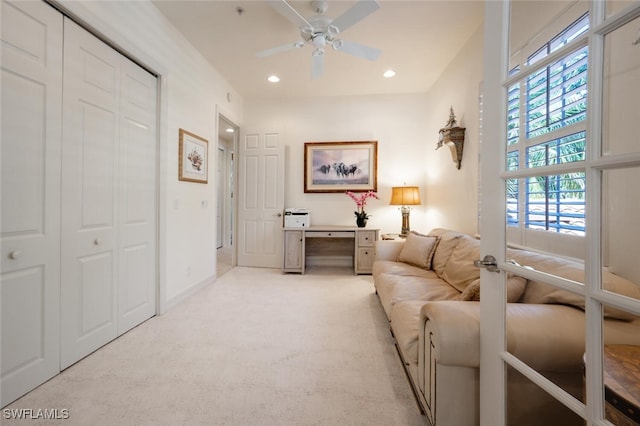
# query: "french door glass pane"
621,90
621,372
621,275
530,405
617,5
621,231
549,338
556,203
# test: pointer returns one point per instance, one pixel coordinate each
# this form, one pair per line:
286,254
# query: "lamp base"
405,210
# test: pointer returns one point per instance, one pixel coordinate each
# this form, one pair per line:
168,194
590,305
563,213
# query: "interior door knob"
488,262
97,241
15,254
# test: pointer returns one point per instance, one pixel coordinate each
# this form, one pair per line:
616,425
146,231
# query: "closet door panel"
31,81
89,188
137,224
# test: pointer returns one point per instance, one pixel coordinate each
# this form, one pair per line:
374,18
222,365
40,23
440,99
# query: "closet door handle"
97,241
15,254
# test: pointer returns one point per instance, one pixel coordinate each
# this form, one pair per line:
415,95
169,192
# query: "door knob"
15,254
278,214
97,241
488,262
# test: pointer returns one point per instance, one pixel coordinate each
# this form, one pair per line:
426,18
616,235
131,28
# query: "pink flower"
361,199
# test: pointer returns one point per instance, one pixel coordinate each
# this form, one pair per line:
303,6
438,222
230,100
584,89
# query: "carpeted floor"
255,348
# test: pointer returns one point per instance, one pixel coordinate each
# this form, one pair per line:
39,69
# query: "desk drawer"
329,234
366,238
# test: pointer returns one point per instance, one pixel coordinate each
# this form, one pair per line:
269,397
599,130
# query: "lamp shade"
405,196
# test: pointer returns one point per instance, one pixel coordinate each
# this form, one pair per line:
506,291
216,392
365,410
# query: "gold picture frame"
341,166
193,158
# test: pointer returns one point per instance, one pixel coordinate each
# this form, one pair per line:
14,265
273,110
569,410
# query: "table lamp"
405,196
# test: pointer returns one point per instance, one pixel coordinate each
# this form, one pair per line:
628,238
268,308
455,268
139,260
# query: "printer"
297,218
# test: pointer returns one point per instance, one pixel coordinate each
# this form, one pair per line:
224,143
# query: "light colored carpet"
255,348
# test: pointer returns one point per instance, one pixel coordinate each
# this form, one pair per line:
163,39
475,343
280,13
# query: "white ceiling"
417,38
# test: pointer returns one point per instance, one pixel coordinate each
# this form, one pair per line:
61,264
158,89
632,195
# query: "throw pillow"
515,289
447,243
459,271
418,250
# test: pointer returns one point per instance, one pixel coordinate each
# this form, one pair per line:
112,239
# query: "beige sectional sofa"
429,290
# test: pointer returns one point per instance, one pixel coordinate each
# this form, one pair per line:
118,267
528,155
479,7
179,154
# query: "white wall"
191,93
453,193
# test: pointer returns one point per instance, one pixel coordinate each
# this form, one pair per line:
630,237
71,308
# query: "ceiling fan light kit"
319,31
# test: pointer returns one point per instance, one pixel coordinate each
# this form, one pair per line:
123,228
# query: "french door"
605,173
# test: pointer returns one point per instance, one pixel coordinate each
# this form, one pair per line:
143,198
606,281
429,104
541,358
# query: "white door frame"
233,196
493,291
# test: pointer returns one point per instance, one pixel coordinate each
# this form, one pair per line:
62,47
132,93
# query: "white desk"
329,245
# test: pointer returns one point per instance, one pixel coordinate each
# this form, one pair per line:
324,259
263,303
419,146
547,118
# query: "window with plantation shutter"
549,103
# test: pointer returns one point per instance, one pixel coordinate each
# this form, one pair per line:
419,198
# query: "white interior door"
137,193
30,237
261,200
89,195
553,67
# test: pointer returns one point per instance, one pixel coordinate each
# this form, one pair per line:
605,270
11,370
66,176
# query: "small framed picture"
340,166
193,157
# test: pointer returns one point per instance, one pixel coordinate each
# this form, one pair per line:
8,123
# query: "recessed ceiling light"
273,78
229,129
389,73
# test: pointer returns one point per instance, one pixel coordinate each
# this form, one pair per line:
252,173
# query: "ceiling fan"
319,31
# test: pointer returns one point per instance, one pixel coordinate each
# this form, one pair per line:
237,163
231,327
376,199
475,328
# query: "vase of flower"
361,201
361,219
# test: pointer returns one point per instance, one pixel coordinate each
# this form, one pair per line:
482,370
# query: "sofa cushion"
515,289
448,242
399,268
460,270
394,288
538,292
418,250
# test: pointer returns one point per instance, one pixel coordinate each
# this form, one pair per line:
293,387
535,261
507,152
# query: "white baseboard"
184,294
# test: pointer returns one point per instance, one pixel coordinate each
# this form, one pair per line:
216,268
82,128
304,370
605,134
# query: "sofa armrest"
547,337
388,249
451,331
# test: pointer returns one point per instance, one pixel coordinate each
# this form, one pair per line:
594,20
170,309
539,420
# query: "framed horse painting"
341,166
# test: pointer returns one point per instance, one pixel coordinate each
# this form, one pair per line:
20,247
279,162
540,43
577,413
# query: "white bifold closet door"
108,195
78,182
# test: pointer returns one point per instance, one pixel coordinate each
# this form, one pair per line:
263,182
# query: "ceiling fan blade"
357,49
285,9
359,11
317,65
279,49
